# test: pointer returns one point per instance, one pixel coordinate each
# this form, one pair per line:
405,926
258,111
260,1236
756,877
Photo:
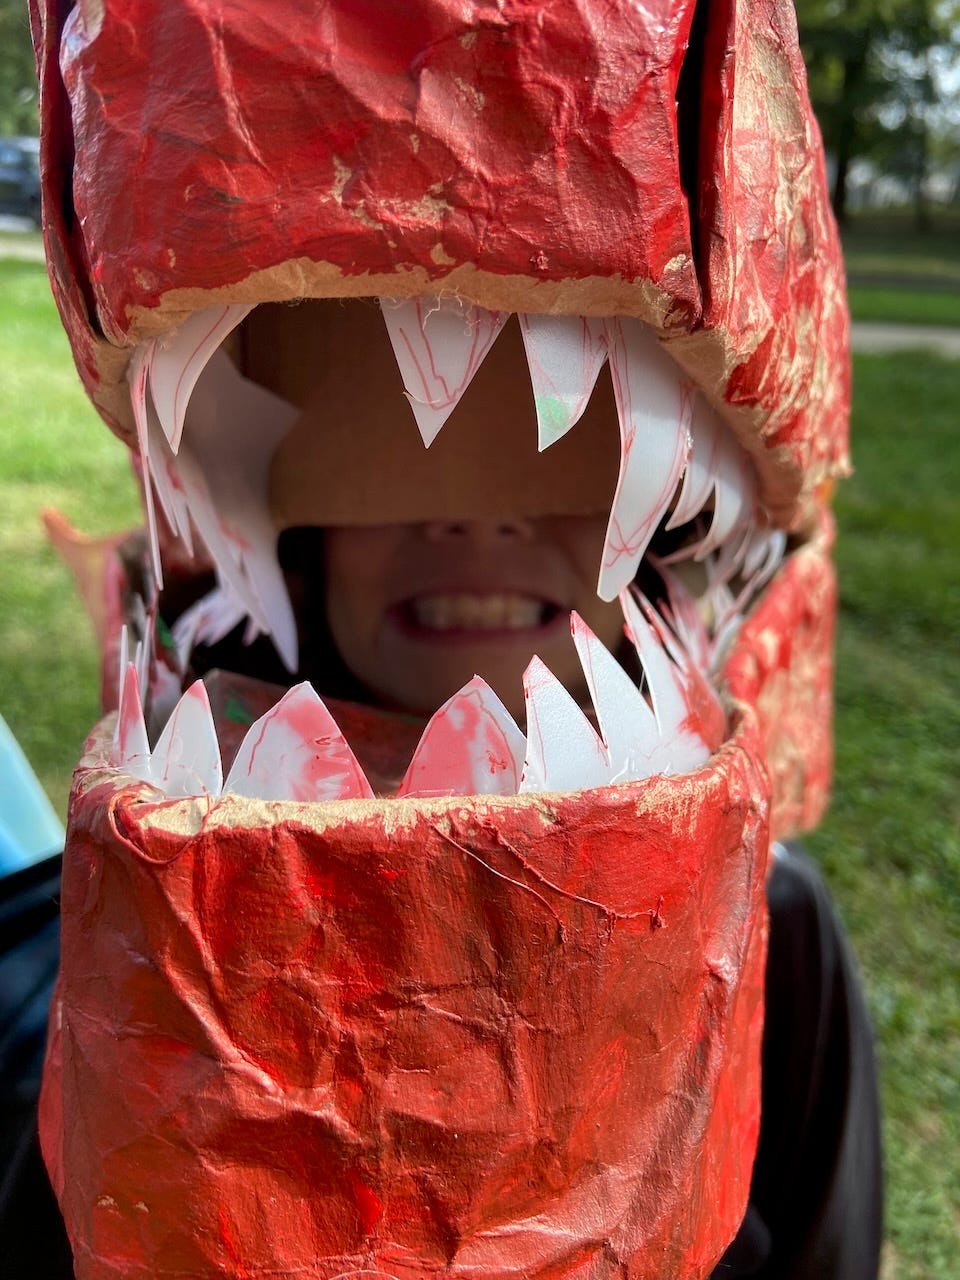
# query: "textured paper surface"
467,1039
528,162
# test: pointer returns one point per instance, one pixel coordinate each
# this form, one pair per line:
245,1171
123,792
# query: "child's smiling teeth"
466,611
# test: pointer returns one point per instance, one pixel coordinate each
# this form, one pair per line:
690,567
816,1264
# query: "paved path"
875,336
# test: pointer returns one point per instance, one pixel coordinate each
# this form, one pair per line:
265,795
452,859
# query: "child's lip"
479,616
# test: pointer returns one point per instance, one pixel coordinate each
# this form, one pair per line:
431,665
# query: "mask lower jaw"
411,1036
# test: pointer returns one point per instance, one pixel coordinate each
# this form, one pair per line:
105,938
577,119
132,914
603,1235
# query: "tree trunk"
854,68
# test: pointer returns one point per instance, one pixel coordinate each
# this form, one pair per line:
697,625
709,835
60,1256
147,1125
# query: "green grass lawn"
890,846
900,275
902,305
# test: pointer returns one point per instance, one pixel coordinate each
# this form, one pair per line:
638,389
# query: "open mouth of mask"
684,522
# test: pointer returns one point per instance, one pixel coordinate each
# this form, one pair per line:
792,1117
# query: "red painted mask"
338,999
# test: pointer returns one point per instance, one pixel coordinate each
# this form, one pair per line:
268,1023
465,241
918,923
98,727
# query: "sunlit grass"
896,305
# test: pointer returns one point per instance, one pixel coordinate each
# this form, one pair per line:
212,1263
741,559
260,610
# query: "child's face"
418,604
416,610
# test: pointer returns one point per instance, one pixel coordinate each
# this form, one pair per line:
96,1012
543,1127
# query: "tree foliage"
875,72
18,77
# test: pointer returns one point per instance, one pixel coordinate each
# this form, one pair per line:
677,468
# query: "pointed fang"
186,759
177,360
137,374
132,751
654,405
705,430
297,752
564,752
627,724
439,343
565,355
689,715
472,746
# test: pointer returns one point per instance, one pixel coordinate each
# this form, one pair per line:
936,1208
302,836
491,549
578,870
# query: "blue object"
29,828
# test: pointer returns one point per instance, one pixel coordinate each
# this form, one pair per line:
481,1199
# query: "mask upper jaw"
679,180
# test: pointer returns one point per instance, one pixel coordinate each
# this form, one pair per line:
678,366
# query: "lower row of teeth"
471,746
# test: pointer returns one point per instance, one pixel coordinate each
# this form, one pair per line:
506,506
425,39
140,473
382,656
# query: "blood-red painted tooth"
627,724
565,355
297,752
439,344
176,360
131,751
654,404
688,712
186,759
471,746
564,752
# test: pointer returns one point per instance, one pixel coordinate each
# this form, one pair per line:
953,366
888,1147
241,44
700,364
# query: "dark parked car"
20,178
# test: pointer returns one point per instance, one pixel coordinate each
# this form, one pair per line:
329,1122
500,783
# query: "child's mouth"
452,614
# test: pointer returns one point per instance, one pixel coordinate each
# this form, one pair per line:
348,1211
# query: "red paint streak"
230,1245
368,1203
461,743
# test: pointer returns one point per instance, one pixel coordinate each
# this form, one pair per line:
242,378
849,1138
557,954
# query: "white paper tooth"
137,374
653,404
124,658
439,344
165,476
297,752
565,355
765,551
564,752
706,429
683,615
733,494
726,561
627,724
689,715
723,607
471,746
186,759
234,427
176,360
207,621
217,483
762,552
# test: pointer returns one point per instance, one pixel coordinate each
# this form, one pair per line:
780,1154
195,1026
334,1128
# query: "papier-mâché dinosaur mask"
502,1019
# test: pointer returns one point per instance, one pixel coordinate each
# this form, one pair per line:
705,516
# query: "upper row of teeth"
213,475
480,613
472,745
